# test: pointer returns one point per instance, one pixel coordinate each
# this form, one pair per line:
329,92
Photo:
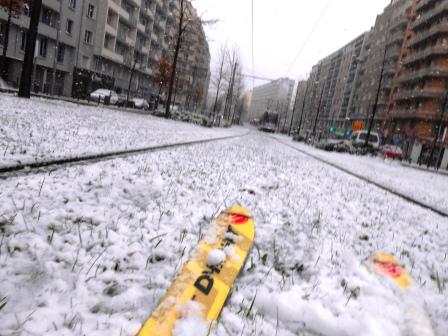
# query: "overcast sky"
281,29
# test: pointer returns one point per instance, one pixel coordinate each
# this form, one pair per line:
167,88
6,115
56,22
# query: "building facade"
331,86
418,115
275,96
378,63
92,44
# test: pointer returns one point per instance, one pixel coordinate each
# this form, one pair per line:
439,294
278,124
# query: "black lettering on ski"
204,283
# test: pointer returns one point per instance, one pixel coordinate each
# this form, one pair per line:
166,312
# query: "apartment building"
332,82
274,96
297,111
416,114
378,63
93,44
59,26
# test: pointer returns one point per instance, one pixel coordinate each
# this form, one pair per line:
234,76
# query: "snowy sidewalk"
39,129
424,186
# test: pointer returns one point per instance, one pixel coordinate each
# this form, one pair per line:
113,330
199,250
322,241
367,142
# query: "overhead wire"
253,54
309,35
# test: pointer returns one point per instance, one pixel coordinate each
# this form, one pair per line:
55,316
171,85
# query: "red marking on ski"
236,219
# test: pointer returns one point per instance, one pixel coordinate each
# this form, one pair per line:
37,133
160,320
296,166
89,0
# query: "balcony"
390,69
396,38
427,93
123,37
401,22
424,54
393,52
424,3
136,3
109,54
440,28
424,73
140,27
433,13
118,9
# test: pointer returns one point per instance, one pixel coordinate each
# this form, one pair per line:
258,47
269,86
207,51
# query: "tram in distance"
268,122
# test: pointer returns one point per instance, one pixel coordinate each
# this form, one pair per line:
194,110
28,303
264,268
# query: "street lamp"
436,138
303,108
318,112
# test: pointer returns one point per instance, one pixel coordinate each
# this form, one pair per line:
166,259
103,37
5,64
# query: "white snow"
191,322
40,129
216,257
425,186
92,249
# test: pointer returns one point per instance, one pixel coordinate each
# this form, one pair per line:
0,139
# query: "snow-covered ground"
427,187
40,129
92,249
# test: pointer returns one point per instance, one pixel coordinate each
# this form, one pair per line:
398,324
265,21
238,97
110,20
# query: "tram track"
30,168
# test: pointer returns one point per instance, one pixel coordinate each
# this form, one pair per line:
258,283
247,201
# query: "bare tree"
217,81
233,63
28,60
182,26
134,59
185,20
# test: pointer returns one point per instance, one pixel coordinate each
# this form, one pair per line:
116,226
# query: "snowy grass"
39,129
92,249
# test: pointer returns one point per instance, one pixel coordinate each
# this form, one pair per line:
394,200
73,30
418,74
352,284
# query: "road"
92,249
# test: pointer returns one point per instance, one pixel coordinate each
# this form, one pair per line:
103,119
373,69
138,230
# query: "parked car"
358,139
297,137
5,86
121,99
392,152
101,94
140,103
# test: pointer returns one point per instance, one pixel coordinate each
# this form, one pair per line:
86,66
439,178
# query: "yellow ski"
386,265
206,279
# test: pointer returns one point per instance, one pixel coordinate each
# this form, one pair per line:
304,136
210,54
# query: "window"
49,17
72,4
110,18
69,27
2,33
43,47
26,10
61,53
22,40
88,37
91,11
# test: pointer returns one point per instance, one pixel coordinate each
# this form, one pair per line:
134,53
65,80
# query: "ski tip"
391,268
238,210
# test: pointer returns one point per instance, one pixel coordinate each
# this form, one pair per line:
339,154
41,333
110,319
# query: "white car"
358,138
5,86
140,103
101,94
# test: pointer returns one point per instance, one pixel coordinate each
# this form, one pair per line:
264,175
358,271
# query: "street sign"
358,125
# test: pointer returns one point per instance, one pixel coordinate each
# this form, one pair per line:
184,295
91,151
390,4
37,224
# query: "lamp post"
375,105
303,108
439,132
318,111
293,110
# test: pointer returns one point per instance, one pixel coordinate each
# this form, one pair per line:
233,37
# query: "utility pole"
436,138
294,109
303,107
318,111
28,60
56,49
375,105
228,105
